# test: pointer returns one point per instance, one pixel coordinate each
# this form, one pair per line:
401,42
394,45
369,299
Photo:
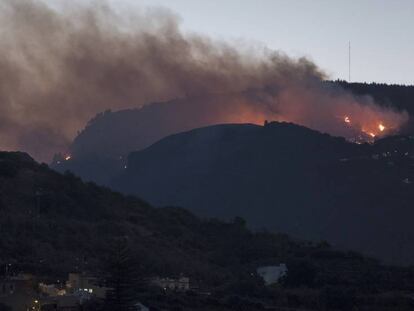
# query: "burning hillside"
368,132
60,66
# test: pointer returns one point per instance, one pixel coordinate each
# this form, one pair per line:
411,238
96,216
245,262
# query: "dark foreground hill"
287,178
99,151
52,224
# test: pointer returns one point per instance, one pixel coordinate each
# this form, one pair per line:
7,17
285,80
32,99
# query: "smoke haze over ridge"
59,67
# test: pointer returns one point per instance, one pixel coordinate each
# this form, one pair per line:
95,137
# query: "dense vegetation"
51,224
100,150
287,178
390,95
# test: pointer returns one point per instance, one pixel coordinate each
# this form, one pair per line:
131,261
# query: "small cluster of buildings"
23,293
78,289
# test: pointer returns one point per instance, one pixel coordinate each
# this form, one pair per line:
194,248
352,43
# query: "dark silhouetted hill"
287,178
52,224
100,153
100,150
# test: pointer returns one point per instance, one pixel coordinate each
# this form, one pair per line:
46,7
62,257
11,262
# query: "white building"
140,307
272,274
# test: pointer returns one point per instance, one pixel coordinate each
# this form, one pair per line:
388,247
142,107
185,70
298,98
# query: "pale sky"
381,31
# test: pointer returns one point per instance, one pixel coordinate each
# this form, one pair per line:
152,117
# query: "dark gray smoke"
59,67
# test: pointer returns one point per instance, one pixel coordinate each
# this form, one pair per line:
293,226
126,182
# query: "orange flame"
371,128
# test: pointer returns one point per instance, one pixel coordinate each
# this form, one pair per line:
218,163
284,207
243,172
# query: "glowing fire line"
368,131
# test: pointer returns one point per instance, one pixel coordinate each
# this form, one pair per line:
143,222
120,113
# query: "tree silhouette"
121,278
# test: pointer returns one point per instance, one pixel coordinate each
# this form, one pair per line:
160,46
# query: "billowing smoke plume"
59,67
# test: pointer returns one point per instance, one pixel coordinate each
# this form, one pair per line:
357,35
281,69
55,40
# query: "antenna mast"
349,62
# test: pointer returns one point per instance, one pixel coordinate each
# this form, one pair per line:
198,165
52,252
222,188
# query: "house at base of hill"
79,282
140,307
272,274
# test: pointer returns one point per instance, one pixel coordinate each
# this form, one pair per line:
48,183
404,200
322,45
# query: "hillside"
52,224
117,133
394,95
286,178
100,150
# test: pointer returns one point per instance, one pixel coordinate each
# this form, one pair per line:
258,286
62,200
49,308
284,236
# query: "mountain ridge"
285,178
52,224
100,150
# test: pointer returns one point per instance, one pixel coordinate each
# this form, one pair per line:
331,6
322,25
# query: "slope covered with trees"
100,150
400,97
286,178
52,224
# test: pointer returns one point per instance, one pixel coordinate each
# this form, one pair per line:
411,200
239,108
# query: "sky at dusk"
382,45
65,61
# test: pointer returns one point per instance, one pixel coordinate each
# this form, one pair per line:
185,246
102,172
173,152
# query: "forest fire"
365,131
152,60
379,130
